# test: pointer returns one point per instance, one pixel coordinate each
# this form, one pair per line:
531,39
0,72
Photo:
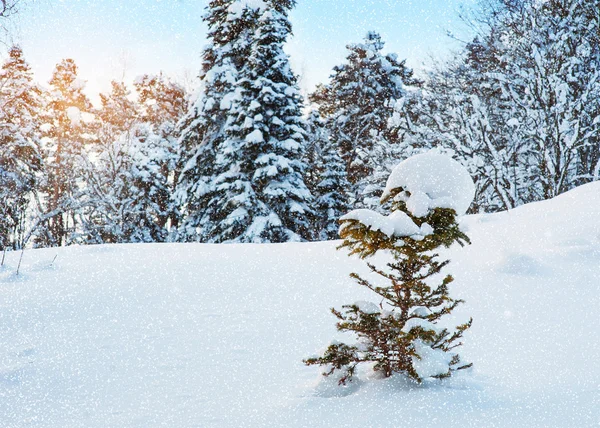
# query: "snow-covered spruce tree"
401,334
317,139
69,112
21,106
201,129
358,102
259,191
149,190
162,103
106,199
331,193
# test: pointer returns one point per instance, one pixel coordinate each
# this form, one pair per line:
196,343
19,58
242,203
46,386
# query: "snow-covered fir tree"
21,113
317,138
130,180
70,128
162,104
260,194
106,199
400,334
201,130
358,102
242,141
331,192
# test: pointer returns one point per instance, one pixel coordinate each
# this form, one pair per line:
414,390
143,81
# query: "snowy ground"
213,336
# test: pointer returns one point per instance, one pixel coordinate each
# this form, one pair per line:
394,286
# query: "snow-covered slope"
213,336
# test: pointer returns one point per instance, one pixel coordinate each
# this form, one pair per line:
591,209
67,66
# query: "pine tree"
106,199
317,139
201,129
400,335
331,193
260,194
21,106
358,103
162,104
70,130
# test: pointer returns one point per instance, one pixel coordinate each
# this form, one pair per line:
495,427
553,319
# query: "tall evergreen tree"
317,140
331,193
69,112
260,194
106,199
358,103
21,106
162,103
201,129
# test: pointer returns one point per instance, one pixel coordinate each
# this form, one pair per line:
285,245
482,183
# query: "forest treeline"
247,159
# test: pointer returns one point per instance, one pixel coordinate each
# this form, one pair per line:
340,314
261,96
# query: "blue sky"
109,38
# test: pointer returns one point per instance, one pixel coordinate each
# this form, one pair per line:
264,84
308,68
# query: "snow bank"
183,335
431,180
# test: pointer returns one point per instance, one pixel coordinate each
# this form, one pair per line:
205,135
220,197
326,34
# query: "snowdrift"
185,335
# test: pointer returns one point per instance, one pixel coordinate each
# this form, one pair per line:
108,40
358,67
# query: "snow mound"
397,224
431,180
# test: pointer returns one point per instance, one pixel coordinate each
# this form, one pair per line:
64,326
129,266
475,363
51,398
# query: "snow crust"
187,335
431,180
397,224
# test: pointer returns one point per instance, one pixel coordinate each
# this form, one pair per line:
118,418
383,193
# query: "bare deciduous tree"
8,7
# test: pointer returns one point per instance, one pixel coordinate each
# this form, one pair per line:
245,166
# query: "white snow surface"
238,6
185,335
397,223
74,115
431,180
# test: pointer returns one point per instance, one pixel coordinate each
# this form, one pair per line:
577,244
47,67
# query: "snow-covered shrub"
401,334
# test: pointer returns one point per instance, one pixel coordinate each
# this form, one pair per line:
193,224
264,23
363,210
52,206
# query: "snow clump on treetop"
431,180
427,181
396,224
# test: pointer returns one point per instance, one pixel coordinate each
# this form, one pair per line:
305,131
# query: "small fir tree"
400,335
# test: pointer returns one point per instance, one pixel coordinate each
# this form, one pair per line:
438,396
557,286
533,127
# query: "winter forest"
246,158
436,228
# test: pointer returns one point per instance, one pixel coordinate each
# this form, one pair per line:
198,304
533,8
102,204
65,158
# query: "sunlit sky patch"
115,39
